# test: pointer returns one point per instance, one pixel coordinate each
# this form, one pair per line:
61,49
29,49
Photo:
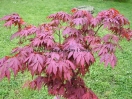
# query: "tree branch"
59,37
98,28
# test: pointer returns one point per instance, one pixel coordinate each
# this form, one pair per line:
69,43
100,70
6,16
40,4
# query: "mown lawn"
107,83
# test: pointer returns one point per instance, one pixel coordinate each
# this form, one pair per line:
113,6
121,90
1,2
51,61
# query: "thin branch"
98,28
59,37
57,33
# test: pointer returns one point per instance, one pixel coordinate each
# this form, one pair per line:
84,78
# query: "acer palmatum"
60,64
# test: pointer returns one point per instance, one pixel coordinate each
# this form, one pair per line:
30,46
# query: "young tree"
61,64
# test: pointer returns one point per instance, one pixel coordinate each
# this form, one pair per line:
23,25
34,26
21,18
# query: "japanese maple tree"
60,64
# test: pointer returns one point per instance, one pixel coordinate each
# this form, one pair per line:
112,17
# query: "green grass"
107,83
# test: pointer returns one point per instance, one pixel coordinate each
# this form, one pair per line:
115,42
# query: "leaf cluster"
60,65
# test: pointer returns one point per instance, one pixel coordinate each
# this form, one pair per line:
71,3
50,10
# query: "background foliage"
106,83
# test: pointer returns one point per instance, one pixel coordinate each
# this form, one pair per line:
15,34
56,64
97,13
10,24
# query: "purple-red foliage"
60,65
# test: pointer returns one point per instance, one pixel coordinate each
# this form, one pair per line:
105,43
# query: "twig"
98,28
59,37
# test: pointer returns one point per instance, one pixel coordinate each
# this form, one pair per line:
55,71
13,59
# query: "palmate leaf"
72,44
55,23
92,40
95,22
8,24
35,63
44,37
28,30
13,19
8,64
83,59
109,59
75,89
111,38
122,32
22,52
81,14
78,52
107,49
4,71
127,33
38,82
43,40
59,67
71,31
60,16
14,64
80,21
111,18
56,87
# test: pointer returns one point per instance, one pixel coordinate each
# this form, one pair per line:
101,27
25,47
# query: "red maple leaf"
35,63
79,21
71,31
28,30
13,19
56,65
